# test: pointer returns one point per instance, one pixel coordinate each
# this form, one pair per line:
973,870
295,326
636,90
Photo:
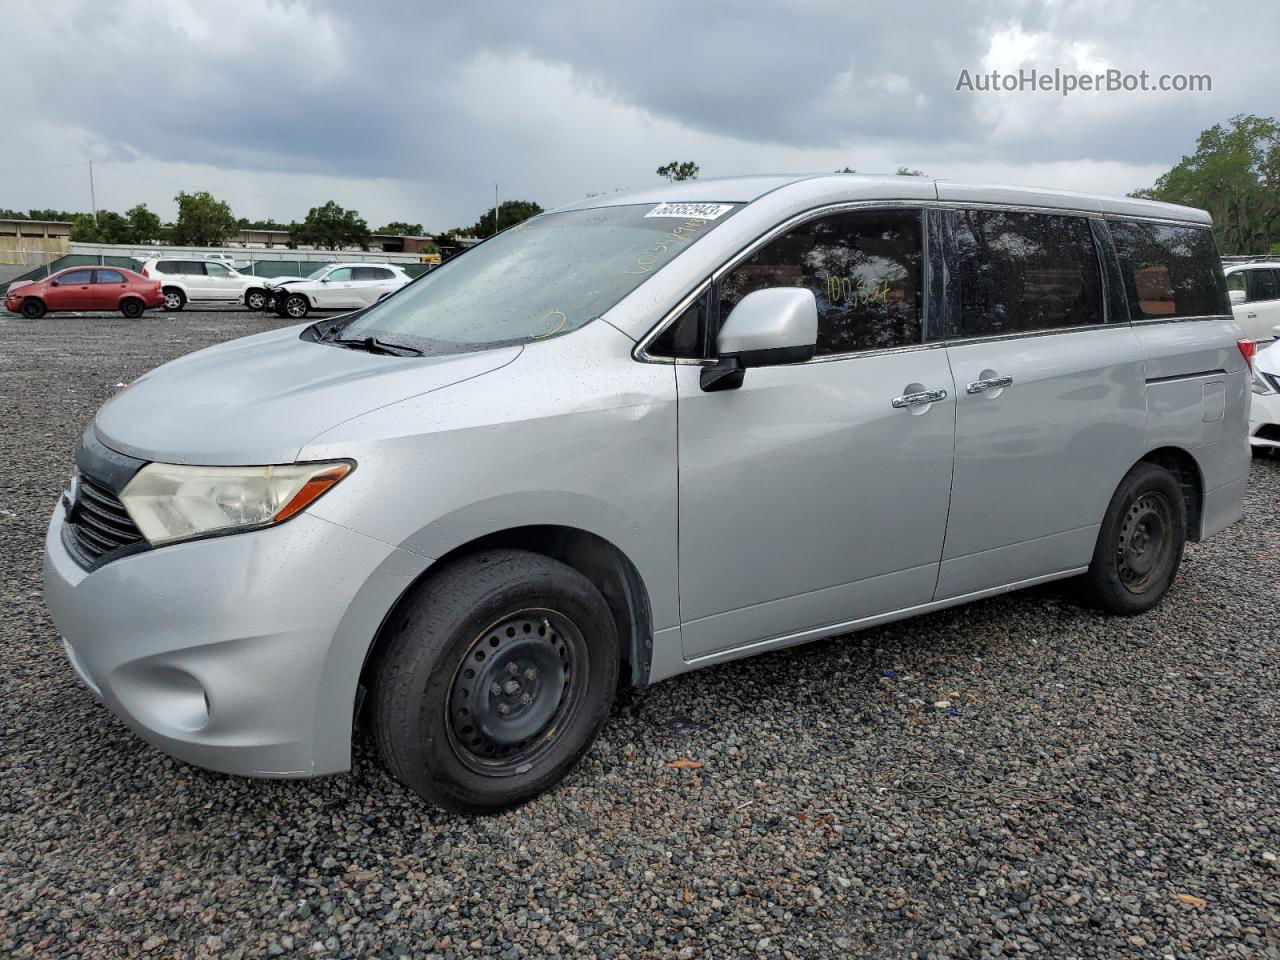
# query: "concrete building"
33,242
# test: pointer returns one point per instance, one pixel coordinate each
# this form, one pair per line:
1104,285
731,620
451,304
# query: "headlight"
172,502
1260,384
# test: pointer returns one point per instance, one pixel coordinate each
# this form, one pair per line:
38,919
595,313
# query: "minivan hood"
258,400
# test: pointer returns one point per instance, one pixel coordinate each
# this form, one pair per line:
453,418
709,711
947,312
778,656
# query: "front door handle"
919,398
991,383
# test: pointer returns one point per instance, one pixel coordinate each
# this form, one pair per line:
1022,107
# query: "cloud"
413,111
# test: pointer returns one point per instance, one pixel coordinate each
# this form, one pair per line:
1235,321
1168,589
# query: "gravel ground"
1019,776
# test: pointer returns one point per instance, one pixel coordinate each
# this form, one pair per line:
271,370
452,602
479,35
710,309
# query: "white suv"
1254,288
336,286
201,280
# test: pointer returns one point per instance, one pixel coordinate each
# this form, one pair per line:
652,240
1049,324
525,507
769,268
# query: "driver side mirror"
767,328
1236,296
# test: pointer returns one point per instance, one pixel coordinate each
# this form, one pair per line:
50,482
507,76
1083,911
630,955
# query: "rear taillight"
1247,349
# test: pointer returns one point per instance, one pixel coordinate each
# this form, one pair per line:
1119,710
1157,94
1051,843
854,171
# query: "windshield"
545,277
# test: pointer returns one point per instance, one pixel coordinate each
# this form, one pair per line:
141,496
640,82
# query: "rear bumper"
241,653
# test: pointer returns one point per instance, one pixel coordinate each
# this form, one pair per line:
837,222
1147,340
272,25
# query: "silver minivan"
638,435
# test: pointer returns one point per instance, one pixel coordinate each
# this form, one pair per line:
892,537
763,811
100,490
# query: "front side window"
217,270
109,276
1014,272
341,275
1169,270
1262,285
547,276
73,277
1238,281
866,271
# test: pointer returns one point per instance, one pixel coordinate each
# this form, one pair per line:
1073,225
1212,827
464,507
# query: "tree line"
205,221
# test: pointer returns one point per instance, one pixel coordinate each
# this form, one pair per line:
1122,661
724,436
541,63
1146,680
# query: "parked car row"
1264,411
1254,289
173,283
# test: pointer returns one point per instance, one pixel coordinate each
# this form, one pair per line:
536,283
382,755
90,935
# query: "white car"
188,279
1254,288
336,286
1264,412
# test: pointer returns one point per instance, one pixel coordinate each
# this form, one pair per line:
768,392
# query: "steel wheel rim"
1146,542
295,307
515,691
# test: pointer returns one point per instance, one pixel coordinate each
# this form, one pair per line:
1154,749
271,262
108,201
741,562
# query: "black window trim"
935,262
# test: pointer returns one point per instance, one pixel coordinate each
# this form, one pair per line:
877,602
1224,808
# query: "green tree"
246,224
143,225
908,172
202,220
84,229
1234,173
847,170
399,228
332,227
510,213
676,170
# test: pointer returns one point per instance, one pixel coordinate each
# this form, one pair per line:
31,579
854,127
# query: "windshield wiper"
374,345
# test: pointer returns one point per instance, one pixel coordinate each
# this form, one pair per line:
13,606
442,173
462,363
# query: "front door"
337,291
73,292
1051,399
808,497
221,283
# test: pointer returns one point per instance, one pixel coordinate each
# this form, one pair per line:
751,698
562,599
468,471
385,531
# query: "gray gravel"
1019,776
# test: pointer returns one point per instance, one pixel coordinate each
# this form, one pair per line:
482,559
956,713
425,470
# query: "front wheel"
33,308
174,299
1140,543
255,299
499,675
295,305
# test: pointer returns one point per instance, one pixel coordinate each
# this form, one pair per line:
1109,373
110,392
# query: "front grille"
99,521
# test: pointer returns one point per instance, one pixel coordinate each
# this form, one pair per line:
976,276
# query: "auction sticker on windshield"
703,211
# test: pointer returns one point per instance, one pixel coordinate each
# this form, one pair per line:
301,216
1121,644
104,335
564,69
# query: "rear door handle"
991,383
919,398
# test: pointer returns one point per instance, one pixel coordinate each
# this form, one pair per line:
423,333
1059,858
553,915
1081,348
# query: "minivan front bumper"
239,653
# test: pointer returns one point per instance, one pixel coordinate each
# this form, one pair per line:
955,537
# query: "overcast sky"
411,111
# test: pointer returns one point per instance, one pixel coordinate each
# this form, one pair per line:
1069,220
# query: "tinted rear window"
167,266
1169,270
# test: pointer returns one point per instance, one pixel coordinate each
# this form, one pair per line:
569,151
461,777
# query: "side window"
370,273
341,275
1170,270
193,268
168,266
866,270
217,270
1022,272
686,338
1237,283
1262,285
109,276
75,277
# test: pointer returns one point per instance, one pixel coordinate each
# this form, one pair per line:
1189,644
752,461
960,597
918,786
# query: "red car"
85,288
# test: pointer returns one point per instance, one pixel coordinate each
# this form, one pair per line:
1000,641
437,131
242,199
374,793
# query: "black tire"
174,299
1140,544
132,307
450,716
295,305
33,308
255,299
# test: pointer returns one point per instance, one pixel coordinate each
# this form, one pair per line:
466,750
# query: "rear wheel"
1140,544
500,673
132,308
295,305
255,299
174,299
32,308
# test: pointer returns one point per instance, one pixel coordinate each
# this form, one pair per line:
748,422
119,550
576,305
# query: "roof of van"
853,186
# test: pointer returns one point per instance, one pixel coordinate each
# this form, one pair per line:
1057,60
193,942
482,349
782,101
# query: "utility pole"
495,208
93,200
